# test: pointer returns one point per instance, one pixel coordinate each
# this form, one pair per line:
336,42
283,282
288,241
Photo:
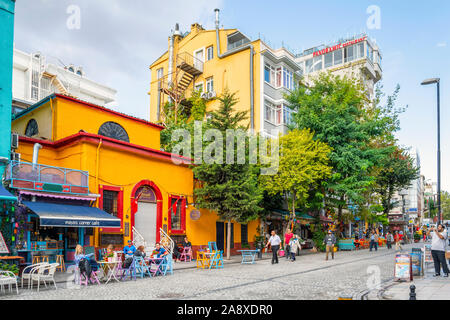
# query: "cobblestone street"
308,278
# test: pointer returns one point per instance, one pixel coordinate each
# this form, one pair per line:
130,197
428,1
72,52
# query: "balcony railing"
39,177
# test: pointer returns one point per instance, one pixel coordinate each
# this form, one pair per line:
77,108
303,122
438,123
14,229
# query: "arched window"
113,130
32,128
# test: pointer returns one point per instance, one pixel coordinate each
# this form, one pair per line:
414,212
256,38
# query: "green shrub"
9,267
318,237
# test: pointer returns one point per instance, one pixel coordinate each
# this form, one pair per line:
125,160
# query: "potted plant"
416,237
9,267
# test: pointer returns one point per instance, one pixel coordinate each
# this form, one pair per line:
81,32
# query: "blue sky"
118,41
414,39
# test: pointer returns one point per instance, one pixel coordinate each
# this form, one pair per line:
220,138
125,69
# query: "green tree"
445,205
395,172
303,163
338,111
230,189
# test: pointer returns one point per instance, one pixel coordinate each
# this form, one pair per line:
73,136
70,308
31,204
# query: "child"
294,244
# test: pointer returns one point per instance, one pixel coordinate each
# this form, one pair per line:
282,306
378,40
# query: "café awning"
5,195
66,215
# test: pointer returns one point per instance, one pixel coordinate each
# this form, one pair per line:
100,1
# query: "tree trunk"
228,240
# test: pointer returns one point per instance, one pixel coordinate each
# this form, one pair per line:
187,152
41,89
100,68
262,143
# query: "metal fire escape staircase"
176,84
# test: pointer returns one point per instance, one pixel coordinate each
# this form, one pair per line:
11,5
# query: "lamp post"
427,82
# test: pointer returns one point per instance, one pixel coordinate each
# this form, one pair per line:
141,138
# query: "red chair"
187,253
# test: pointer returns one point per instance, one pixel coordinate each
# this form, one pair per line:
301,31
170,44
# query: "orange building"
128,176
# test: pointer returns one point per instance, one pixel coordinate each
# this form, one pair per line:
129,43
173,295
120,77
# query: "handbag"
281,253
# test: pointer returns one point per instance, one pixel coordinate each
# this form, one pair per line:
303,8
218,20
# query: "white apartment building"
34,79
357,56
280,70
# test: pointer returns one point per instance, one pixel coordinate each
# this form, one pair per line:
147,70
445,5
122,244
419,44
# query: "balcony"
189,64
39,177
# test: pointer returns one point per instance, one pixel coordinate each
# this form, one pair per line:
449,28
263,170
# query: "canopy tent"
5,195
66,215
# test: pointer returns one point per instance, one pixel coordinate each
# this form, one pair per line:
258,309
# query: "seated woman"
159,252
140,252
185,244
109,252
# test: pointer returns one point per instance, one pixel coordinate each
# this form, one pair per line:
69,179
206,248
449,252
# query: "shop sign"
338,46
3,246
195,214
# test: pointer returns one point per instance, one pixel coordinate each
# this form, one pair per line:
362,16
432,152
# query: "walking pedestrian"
274,242
287,238
294,245
397,239
329,241
438,244
374,241
389,240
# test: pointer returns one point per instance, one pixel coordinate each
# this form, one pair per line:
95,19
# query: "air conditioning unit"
15,156
14,141
211,94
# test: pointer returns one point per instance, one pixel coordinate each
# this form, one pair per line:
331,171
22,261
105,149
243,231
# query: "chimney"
217,17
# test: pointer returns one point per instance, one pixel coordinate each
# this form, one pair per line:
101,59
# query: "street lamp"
424,83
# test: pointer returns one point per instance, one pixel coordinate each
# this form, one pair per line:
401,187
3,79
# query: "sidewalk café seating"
28,271
185,254
130,271
45,273
346,244
167,265
8,278
93,278
248,256
202,260
216,260
141,267
212,246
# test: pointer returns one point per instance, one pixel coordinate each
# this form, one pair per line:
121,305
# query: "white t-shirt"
438,243
275,240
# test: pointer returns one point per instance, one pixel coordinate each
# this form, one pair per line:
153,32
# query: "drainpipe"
36,148
170,70
228,53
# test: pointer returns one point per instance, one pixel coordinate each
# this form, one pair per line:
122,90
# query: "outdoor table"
248,256
111,266
157,261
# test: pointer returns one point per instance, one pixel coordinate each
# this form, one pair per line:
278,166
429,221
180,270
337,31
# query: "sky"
117,40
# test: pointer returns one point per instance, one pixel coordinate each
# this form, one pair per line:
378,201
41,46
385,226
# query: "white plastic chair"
27,275
40,275
8,278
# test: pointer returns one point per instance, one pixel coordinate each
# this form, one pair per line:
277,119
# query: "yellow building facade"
129,176
212,61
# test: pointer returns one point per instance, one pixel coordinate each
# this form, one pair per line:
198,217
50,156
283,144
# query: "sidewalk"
427,288
63,277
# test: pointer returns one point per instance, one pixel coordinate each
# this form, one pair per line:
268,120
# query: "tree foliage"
303,163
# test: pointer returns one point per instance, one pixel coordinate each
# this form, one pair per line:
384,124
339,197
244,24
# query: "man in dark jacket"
329,241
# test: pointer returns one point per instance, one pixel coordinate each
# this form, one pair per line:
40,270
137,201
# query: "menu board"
403,267
427,253
3,246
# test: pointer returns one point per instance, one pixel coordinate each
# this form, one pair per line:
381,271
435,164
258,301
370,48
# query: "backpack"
85,268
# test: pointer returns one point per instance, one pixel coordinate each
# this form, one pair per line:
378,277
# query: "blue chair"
167,265
212,246
130,271
141,267
216,260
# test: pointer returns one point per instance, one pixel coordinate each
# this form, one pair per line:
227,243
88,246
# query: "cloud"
116,43
442,44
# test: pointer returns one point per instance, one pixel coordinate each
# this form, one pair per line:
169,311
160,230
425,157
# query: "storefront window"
317,63
337,57
349,54
328,60
177,212
309,66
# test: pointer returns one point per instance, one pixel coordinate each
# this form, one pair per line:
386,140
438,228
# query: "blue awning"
66,215
5,195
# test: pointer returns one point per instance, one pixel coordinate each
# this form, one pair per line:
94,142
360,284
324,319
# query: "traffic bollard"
412,292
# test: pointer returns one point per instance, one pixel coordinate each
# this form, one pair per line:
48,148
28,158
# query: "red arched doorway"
146,201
